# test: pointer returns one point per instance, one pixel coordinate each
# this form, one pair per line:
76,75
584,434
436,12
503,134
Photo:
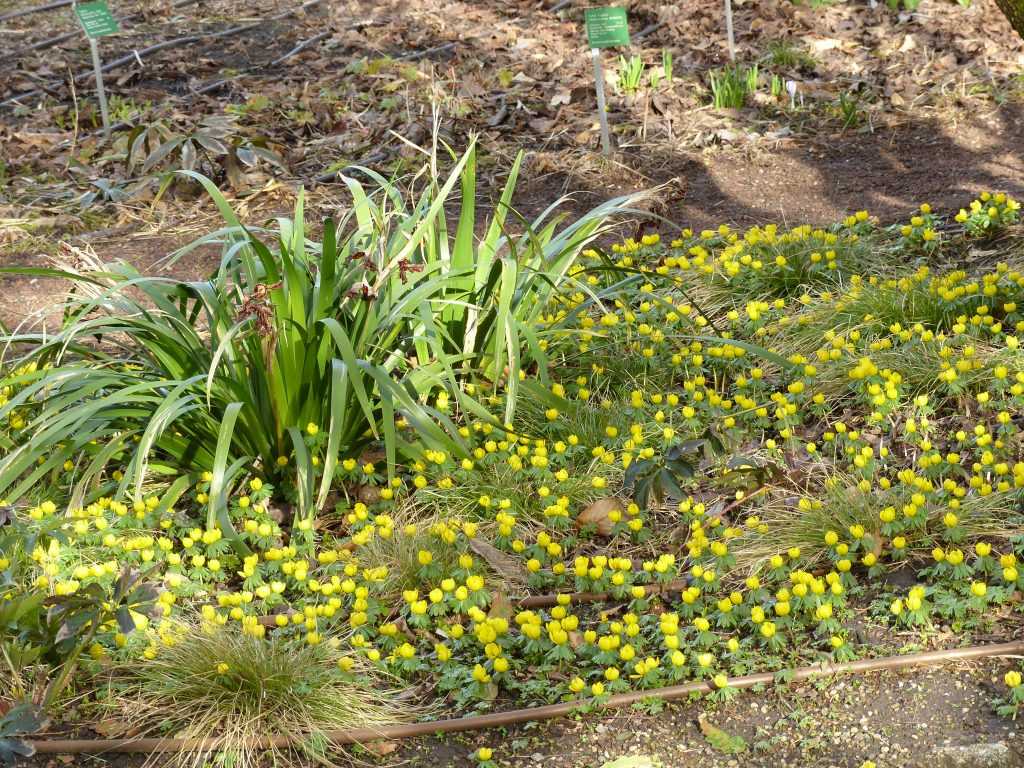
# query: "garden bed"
397,473
291,447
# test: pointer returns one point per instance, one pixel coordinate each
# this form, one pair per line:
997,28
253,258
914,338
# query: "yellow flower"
480,674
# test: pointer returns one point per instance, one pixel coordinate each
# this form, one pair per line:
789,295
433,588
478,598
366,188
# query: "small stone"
984,755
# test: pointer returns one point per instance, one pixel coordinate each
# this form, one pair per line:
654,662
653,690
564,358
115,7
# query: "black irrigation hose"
648,30
52,41
532,714
39,9
279,60
421,54
300,48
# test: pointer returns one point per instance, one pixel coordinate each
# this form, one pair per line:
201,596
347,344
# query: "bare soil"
813,180
893,719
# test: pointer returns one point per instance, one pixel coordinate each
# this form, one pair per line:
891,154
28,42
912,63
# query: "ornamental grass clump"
235,689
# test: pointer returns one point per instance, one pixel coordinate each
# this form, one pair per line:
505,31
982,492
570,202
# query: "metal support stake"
728,30
602,114
94,46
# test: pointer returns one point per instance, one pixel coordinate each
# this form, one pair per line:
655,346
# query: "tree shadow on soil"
817,181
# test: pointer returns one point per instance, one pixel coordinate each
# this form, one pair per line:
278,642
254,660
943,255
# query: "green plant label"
606,27
96,19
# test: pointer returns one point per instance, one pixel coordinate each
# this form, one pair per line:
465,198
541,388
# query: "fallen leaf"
501,607
562,96
490,692
597,514
504,565
368,494
825,44
39,139
541,124
373,455
381,748
112,728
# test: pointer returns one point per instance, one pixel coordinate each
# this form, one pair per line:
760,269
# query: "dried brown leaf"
597,514
381,748
504,565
